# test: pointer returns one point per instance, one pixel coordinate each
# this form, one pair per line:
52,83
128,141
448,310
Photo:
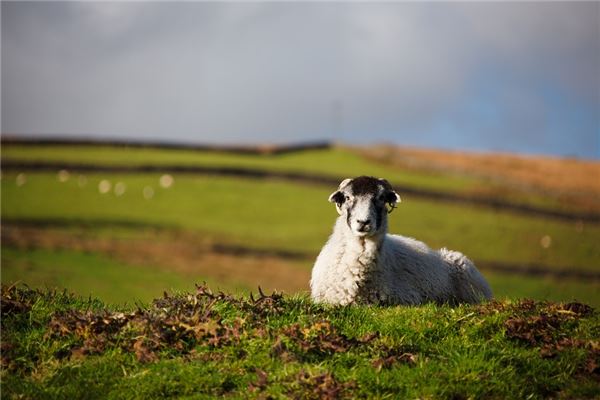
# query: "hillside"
193,345
571,183
129,233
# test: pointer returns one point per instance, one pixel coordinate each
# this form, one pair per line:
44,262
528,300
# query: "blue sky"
511,77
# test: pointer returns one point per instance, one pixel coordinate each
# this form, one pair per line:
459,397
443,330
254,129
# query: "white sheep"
361,263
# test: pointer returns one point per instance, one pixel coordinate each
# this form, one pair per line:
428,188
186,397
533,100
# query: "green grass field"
118,282
337,162
91,274
205,346
263,214
333,162
119,250
293,216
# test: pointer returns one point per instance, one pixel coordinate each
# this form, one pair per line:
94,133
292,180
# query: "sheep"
362,264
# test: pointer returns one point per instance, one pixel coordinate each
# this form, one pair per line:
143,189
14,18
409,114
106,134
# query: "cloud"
474,75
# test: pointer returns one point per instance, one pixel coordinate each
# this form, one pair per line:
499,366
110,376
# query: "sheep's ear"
337,197
391,197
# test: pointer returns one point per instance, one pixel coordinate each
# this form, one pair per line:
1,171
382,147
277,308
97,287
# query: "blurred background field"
485,116
128,236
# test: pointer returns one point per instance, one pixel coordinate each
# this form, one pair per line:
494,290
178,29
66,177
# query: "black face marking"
365,185
348,218
367,188
371,187
379,210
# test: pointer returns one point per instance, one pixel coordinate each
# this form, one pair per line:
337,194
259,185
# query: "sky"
477,76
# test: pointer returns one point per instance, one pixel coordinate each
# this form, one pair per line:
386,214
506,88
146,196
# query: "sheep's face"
363,202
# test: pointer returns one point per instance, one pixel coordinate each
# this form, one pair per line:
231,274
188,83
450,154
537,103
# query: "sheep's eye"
347,197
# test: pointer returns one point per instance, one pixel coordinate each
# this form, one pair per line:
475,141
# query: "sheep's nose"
364,225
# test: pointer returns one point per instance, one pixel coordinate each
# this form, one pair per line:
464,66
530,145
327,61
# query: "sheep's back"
412,272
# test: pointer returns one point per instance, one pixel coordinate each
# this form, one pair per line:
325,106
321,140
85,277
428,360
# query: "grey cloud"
551,40
230,72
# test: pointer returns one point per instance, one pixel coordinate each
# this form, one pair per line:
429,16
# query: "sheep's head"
363,201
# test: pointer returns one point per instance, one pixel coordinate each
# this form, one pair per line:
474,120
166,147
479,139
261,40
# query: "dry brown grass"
573,182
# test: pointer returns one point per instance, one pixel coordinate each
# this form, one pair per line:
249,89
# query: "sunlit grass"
458,352
299,349
336,162
275,214
89,274
116,281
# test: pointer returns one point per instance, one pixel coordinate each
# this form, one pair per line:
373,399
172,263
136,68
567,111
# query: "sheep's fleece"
361,263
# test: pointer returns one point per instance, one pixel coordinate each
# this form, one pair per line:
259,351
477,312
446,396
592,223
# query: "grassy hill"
240,232
120,239
567,183
200,344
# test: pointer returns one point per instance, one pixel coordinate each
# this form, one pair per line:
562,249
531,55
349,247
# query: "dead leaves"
264,305
320,338
543,325
15,301
261,383
579,309
539,324
305,385
216,327
534,330
171,324
322,386
143,350
393,359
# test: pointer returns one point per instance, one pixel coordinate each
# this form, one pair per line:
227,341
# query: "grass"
508,286
275,214
111,340
116,282
259,214
201,345
338,162
90,274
